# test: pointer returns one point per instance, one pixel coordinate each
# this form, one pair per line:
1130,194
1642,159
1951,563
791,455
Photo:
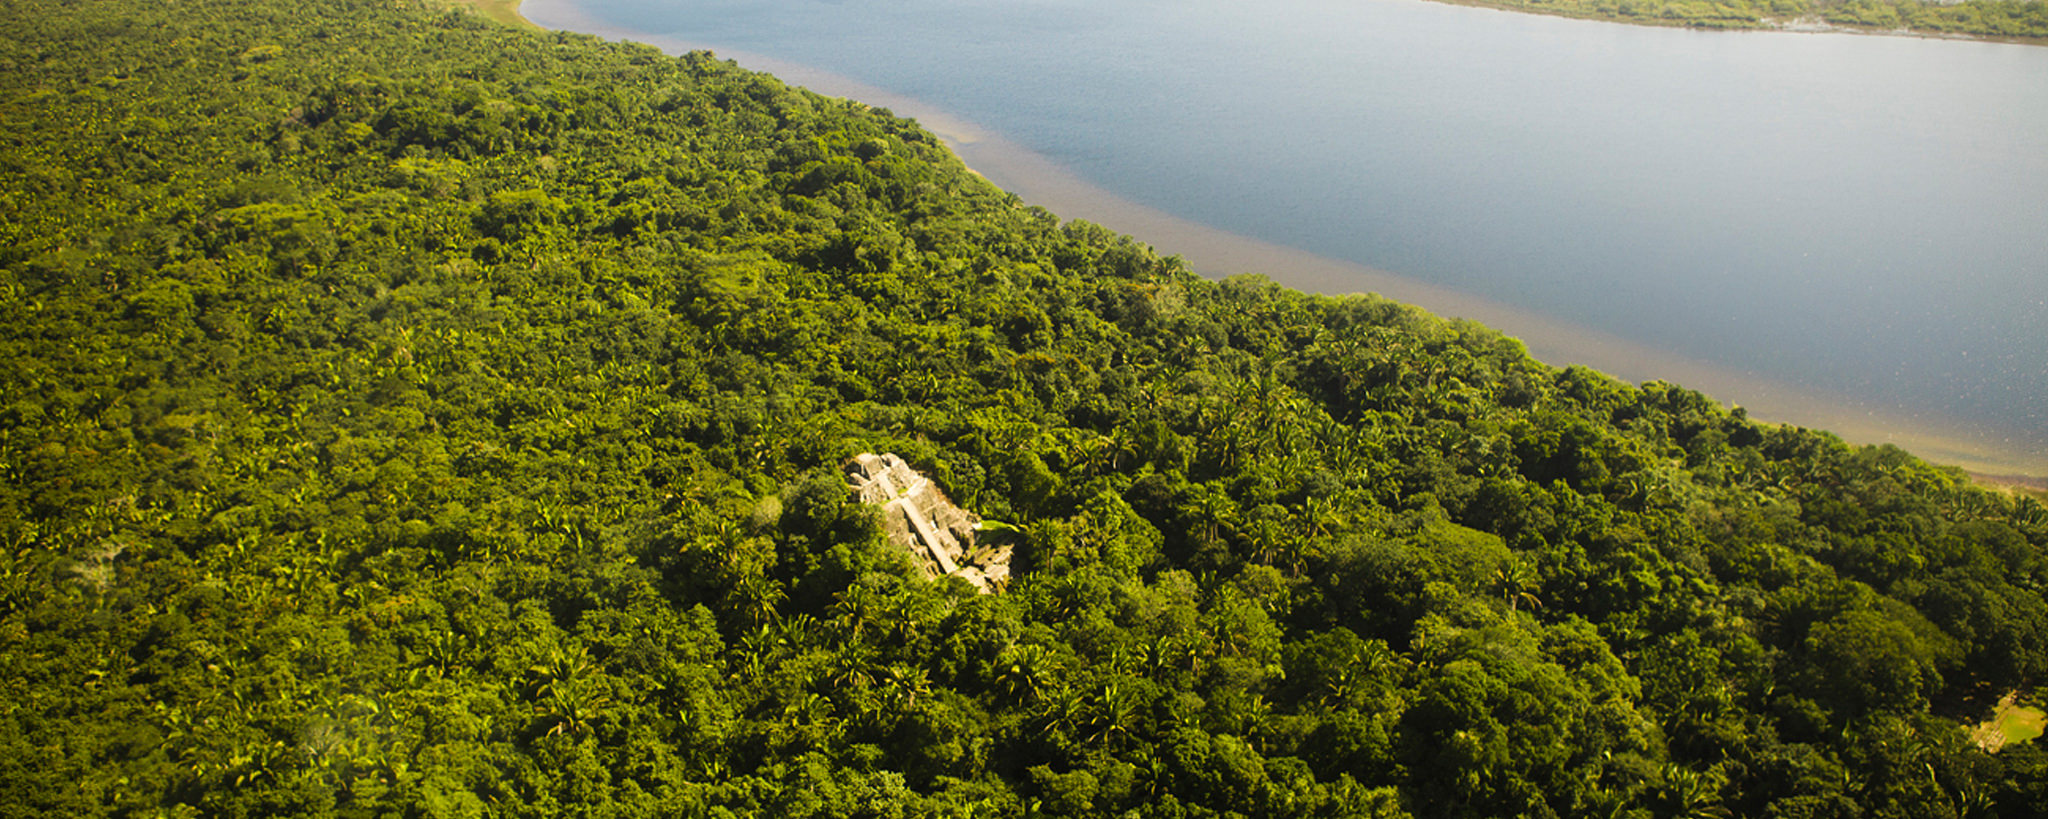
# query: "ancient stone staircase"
918,517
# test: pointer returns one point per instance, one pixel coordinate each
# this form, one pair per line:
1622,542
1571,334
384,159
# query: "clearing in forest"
2011,723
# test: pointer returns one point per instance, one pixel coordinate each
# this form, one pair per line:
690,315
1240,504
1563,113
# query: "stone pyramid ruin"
919,518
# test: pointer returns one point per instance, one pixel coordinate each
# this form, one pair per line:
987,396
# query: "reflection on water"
1214,252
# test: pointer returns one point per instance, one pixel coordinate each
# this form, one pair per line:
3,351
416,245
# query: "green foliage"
407,415
2001,19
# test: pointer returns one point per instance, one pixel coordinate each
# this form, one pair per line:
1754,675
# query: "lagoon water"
1835,230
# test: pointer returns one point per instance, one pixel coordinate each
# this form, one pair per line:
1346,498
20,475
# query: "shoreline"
502,12
1215,253
508,12
1808,24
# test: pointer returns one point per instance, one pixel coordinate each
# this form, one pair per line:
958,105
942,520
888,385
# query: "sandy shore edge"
503,12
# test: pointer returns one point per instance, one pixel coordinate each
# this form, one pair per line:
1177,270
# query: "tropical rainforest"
405,415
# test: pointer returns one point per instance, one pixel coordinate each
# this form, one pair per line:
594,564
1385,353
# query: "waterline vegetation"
2016,20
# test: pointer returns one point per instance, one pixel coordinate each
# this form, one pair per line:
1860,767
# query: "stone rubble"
918,517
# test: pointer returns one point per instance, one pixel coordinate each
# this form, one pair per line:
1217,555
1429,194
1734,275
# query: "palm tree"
1110,718
854,609
1517,584
758,597
1690,794
572,706
903,686
1023,672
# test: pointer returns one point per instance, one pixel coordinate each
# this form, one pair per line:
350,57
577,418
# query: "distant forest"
1998,19
405,415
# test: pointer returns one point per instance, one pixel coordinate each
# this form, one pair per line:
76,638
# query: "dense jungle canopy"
404,415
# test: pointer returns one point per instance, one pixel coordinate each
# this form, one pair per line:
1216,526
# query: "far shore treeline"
406,415
2020,20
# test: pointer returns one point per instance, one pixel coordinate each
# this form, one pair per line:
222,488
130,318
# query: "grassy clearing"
2021,723
2011,723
